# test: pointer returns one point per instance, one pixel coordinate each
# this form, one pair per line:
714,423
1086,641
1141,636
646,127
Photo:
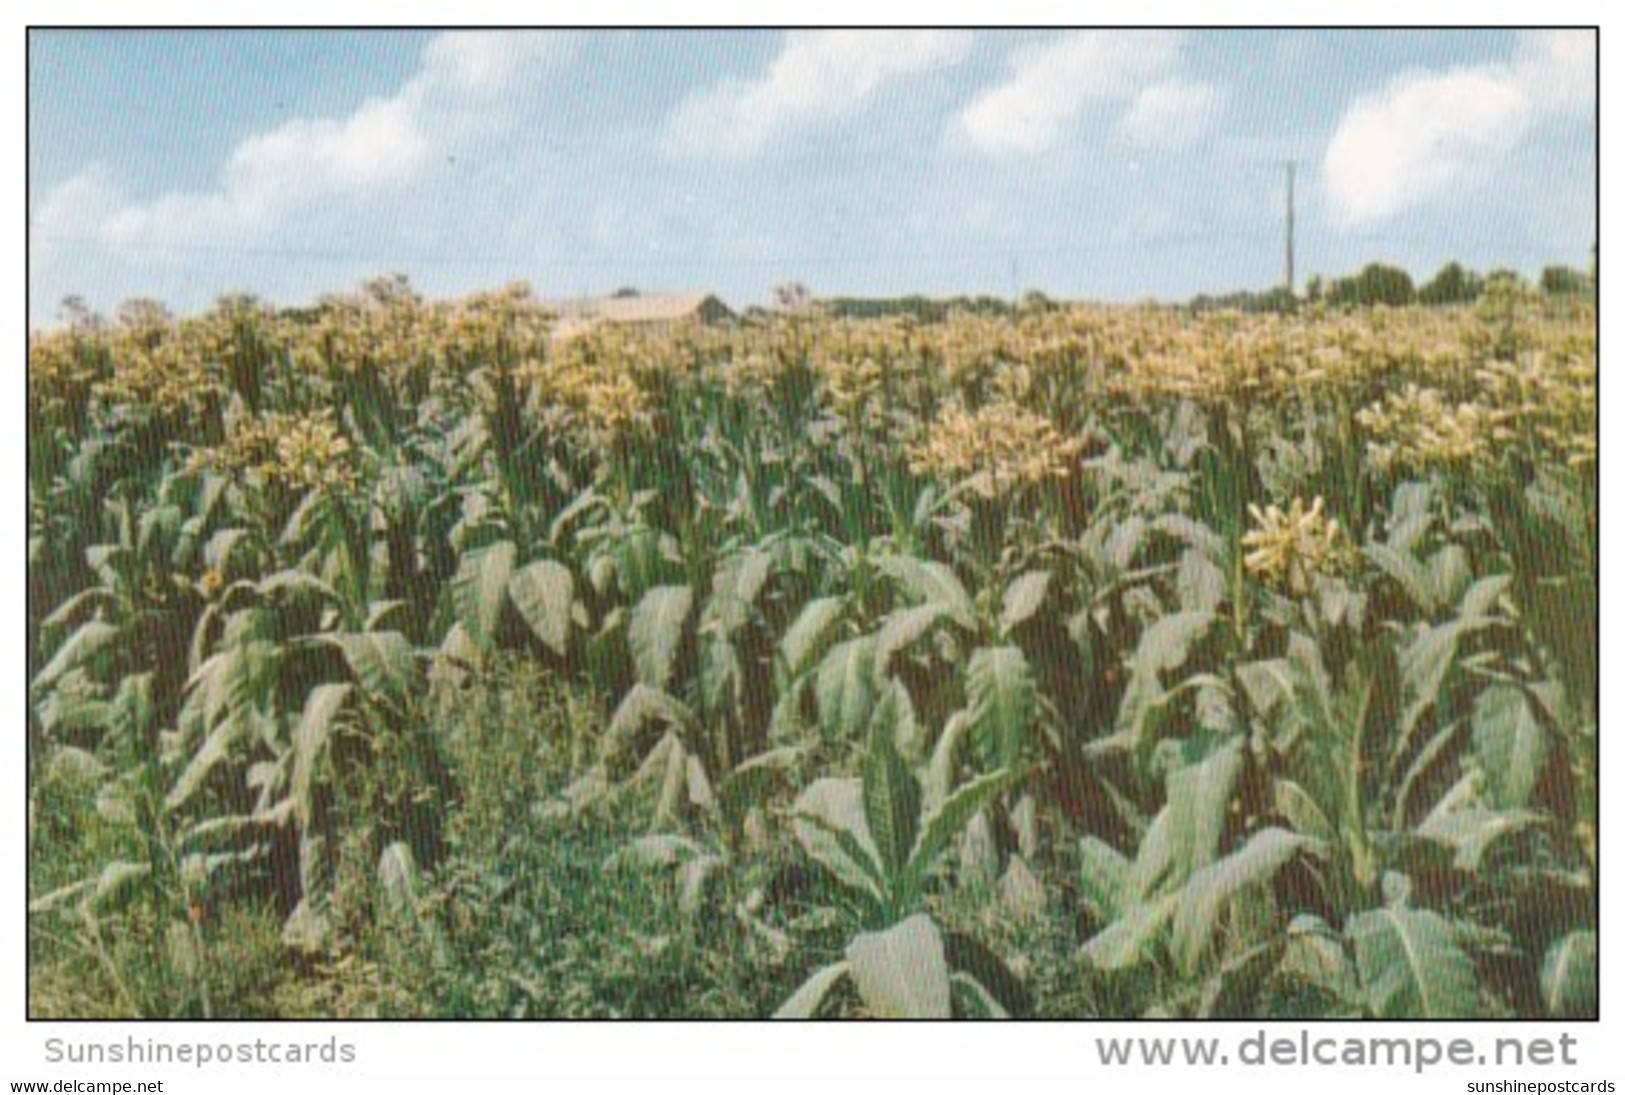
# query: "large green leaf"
1126,941
1104,879
891,796
1185,834
1003,704
1473,830
902,972
1201,583
1412,966
543,592
641,707
215,748
1568,977
737,583
805,1001
1164,646
1511,743
806,639
931,583
1022,599
1212,887
94,638
846,688
479,589
1407,572
943,825
656,632
384,663
310,740
829,822
902,629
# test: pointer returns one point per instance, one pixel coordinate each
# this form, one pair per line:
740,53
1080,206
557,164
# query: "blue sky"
1103,164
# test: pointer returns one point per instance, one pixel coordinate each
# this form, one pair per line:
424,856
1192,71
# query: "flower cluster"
1289,549
298,452
995,450
1417,427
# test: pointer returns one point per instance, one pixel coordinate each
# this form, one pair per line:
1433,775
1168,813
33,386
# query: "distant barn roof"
651,308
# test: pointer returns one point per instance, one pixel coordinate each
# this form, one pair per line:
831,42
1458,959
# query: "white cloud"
1428,135
1052,86
1172,113
818,77
272,177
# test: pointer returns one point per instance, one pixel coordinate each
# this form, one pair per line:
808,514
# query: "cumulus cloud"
271,177
1052,86
818,77
1427,135
1171,114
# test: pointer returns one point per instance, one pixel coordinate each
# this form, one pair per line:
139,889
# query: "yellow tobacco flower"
994,450
1290,549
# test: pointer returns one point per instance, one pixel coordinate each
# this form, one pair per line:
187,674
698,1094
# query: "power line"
1291,214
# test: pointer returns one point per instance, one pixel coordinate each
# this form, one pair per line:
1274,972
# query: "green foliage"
398,660
1376,284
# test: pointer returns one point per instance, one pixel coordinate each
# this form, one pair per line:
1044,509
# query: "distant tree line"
924,309
1390,285
1453,284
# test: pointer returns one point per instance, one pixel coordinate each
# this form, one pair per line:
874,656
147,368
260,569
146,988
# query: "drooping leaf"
1126,941
544,592
1003,704
383,662
398,878
1511,743
1448,572
641,707
902,629
943,767
1568,976
737,583
805,640
115,883
654,851
1412,967
1185,834
310,740
830,825
1301,811
1202,585
902,972
942,826
1208,891
1164,646
846,688
891,797
1473,830
93,638
1022,599
656,631
1104,878
1314,955
1481,597
806,1000
214,750
1424,664
479,589
926,582
1407,572
973,1000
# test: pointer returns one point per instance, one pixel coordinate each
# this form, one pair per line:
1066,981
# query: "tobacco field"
394,658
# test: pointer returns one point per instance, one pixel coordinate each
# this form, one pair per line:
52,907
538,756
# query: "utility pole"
1291,278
